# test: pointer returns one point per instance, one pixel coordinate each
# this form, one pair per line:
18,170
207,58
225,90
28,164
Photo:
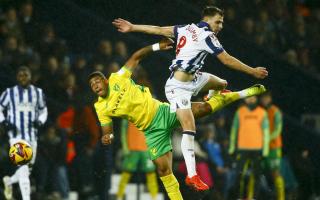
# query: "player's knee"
223,84
187,123
164,170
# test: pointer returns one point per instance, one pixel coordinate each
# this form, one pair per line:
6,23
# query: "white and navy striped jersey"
194,43
23,106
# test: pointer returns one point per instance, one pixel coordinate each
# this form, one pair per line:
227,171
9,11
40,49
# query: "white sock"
24,182
15,177
187,147
242,94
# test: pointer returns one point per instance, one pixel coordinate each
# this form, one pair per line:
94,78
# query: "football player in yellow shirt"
120,97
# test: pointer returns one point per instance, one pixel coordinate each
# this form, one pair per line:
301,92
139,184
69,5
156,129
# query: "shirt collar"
23,88
202,24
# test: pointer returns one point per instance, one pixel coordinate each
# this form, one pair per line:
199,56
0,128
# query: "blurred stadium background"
62,41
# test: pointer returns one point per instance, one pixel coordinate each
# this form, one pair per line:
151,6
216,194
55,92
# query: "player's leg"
274,162
22,177
7,187
164,169
24,182
129,165
213,84
8,181
218,101
24,174
158,139
149,168
179,95
186,119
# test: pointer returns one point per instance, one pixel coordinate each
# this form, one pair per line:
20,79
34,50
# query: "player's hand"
122,25
37,124
166,44
107,139
7,125
260,72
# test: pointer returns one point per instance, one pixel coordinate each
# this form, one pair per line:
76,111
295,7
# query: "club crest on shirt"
116,87
184,102
154,151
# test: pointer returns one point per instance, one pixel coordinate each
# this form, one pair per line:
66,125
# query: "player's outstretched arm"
125,26
234,63
137,56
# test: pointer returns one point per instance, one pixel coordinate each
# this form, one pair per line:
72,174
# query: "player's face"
251,100
266,100
216,23
98,86
24,78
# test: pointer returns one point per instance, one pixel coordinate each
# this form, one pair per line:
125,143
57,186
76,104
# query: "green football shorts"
137,160
158,134
273,160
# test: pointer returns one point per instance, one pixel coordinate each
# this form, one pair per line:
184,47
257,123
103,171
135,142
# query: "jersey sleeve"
4,99
175,30
124,72
42,99
103,118
213,45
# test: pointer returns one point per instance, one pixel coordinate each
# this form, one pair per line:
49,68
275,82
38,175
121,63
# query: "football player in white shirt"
194,43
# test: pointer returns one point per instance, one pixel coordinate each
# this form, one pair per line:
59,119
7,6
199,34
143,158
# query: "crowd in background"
287,29
70,153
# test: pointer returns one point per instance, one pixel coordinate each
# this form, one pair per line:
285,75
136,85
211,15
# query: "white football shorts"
179,93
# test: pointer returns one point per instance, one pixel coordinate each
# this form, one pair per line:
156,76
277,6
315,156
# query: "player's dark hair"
24,68
96,73
212,11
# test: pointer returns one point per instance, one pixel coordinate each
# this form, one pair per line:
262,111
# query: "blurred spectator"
104,53
248,27
112,68
249,140
50,45
304,171
12,56
291,57
12,24
28,24
140,75
23,112
81,71
273,161
230,16
219,171
51,170
121,52
135,159
85,135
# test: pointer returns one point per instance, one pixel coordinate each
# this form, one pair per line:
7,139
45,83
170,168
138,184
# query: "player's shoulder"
36,88
123,73
99,102
6,90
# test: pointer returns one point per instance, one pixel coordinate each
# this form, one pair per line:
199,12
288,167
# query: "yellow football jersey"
126,100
